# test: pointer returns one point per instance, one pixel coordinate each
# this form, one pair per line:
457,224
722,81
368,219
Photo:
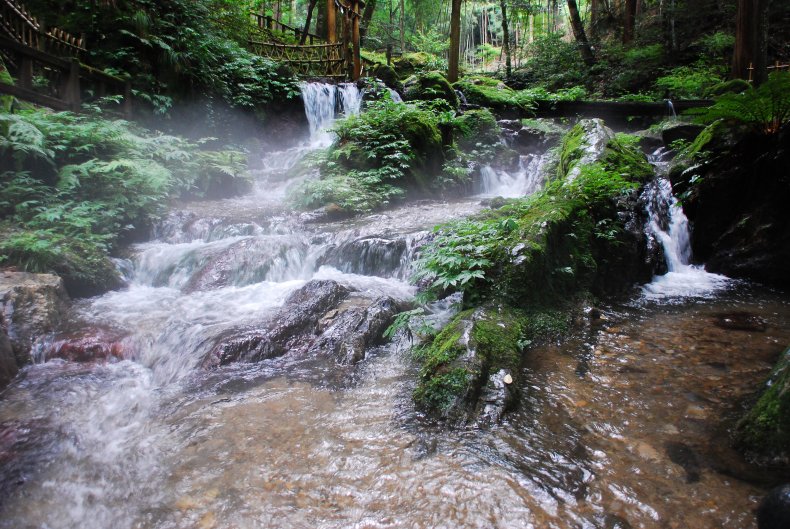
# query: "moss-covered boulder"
411,63
387,75
429,86
540,256
381,155
764,433
474,127
495,95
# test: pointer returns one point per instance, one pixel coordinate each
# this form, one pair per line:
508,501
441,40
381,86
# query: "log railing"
19,25
331,59
272,24
317,60
67,75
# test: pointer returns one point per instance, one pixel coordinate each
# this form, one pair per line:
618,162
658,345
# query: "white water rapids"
156,441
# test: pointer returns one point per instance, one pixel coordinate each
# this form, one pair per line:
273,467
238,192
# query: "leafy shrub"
766,108
74,184
553,63
690,82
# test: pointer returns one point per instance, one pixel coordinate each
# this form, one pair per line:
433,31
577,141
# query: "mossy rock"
428,87
733,86
476,126
493,94
477,344
387,75
411,63
764,432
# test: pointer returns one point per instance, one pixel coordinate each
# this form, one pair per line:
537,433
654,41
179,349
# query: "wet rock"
290,327
328,213
764,432
737,204
498,396
321,319
680,131
8,364
355,325
467,372
33,305
367,256
429,86
740,321
90,345
681,454
612,521
774,510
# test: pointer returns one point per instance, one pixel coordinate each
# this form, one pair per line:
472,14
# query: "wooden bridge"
316,56
30,49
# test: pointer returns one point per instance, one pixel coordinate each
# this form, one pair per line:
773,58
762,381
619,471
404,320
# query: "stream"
620,426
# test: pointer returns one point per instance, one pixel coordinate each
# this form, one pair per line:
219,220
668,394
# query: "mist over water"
154,440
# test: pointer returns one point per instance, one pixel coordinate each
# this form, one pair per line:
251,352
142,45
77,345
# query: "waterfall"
323,102
525,181
669,225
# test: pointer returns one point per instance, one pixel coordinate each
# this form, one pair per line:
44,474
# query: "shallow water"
622,425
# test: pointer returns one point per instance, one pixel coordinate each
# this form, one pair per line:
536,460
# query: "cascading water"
154,441
323,102
525,181
669,225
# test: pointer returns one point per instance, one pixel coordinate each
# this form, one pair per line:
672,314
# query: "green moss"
493,94
571,149
474,127
765,430
428,87
439,392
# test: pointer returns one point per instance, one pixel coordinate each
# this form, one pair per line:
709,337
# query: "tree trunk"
578,33
455,41
629,21
505,40
595,18
402,30
367,16
310,8
751,26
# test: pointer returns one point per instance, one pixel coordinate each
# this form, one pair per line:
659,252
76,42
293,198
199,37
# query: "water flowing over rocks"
322,318
33,305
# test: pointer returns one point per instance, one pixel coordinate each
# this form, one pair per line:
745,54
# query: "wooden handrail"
23,27
71,71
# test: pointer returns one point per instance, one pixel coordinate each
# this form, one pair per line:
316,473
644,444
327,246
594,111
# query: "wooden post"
347,41
331,30
26,73
127,99
72,92
355,16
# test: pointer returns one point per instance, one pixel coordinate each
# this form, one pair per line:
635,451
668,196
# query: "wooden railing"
272,24
317,60
66,76
19,25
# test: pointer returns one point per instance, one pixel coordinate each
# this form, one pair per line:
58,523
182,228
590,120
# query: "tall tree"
505,39
455,41
579,35
629,21
751,25
367,16
306,30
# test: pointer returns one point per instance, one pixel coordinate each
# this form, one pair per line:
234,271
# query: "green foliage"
690,82
554,63
73,184
765,429
765,109
429,86
492,93
378,156
476,128
540,245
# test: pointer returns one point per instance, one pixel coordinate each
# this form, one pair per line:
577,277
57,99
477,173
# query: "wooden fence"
68,77
317,60
19,25
272,24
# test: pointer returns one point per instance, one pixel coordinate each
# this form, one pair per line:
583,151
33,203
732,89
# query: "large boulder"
33,305
429,86
736,189
764,432
321,319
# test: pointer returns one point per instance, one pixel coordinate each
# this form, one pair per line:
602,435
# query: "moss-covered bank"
533,259
764,432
